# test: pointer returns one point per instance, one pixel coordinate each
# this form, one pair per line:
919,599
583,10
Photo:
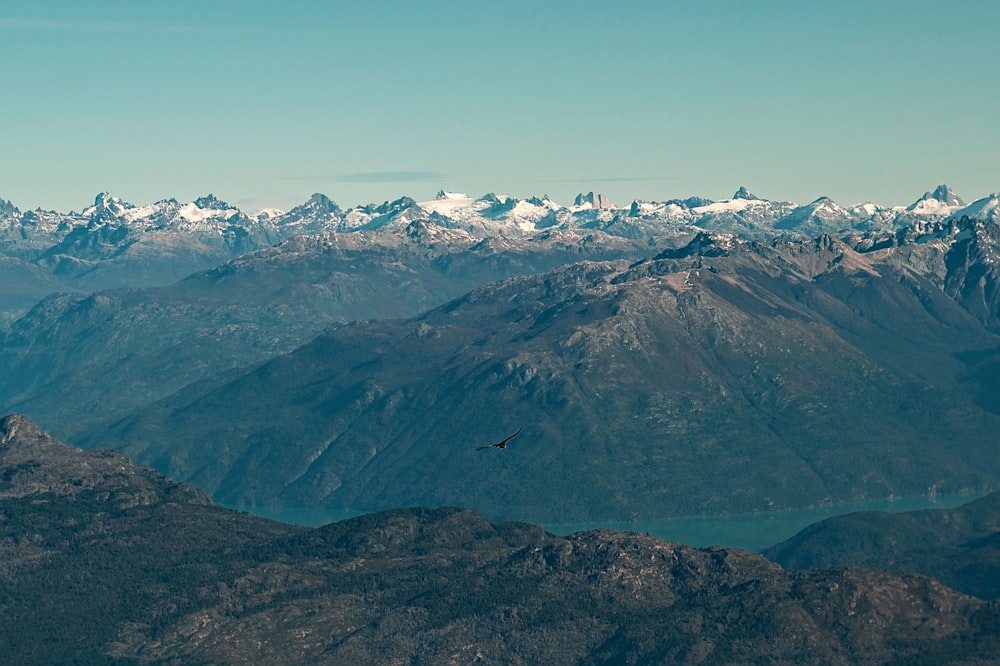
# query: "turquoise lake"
753,531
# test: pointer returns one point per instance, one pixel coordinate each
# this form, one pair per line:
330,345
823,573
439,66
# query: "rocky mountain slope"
105,561
79,358
725,376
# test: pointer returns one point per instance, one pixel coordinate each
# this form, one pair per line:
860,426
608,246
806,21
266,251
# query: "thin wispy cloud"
391,177
610,179
261,202
101,25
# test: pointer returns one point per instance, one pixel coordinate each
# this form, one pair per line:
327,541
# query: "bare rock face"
598,201
35,465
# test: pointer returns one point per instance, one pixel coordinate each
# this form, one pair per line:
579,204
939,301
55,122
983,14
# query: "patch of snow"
729,205
981,209
446,205
192,213
932,207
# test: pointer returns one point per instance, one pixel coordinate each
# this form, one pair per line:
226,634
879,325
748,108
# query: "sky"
264,103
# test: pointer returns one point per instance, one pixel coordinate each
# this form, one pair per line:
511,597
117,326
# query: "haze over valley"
451,332
664,359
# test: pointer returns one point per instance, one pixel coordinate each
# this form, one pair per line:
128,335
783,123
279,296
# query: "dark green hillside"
92,543
727,377
106,562
960,547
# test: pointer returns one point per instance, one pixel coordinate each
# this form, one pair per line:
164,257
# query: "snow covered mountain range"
113,243
31,233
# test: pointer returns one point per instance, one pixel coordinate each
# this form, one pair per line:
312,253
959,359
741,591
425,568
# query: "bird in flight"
502,444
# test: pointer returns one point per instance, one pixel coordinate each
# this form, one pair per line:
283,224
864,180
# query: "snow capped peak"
827,204
207,208
494,200
106,208
268,214
822,215
945,195
986,209
450,195
941,201
866,208
494,216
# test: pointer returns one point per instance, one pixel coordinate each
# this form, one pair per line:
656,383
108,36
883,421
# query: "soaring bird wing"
502,444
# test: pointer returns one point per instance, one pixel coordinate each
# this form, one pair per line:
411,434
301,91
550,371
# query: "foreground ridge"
167,580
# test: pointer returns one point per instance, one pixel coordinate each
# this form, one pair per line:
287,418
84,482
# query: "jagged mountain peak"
7,208
105,201
313,216
15,428
323,202
211,202
36,464
593,200
941,199
494,199
396,205
703,244
743,193
106,208
945,195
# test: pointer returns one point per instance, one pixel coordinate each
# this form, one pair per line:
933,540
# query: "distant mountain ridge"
39,233
113,243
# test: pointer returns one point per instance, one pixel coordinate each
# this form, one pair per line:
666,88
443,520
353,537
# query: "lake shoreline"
751,531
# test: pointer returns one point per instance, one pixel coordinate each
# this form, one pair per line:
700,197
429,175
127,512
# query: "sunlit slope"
725,377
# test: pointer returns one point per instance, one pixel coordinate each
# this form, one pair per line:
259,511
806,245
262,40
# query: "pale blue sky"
264,103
